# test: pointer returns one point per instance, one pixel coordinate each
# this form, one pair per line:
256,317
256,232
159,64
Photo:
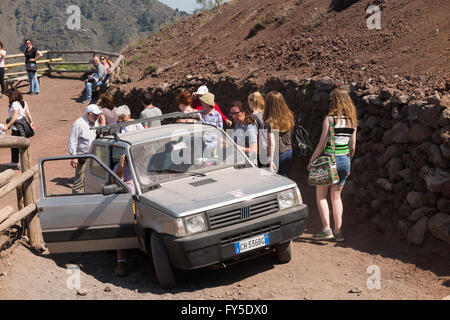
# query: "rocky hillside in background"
254,40
105,24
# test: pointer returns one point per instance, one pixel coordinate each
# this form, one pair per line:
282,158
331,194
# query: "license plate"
252,243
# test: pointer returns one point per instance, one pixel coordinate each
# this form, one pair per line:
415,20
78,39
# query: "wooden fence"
51,64
23,184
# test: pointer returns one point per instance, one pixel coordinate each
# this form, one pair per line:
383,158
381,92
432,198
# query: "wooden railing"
52,63
23,184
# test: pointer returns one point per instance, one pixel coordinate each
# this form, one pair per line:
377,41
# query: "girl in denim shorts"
343,113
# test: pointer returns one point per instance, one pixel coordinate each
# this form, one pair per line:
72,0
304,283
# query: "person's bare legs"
322,205
338,209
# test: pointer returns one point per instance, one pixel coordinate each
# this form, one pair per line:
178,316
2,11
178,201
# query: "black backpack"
300,139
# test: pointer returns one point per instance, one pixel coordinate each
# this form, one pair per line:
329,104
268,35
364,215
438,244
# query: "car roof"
162,132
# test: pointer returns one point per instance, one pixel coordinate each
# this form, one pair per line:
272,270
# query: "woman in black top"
32,54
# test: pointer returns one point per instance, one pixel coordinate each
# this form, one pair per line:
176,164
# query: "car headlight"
191,225
287,199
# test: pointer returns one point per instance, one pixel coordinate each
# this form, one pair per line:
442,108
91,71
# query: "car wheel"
284,252
161,260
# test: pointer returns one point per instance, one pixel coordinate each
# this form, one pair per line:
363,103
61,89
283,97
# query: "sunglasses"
234,113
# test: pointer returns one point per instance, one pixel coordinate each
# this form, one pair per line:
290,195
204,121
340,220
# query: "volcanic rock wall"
401,171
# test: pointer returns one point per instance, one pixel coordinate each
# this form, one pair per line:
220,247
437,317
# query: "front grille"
242,212
249,234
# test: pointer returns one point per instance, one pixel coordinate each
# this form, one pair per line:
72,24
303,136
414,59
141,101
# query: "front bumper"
217,246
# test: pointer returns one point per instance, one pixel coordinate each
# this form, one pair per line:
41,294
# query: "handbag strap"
332,139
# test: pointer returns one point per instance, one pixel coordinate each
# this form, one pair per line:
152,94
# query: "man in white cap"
196,104
80,140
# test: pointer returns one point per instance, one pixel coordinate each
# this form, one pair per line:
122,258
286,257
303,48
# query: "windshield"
185,154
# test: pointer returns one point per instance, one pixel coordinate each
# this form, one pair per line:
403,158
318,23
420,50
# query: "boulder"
416,234
434,154
416,215
377,135
445,189
430,199
414,109
379,148
372,122
436,179
387,137
394,166
404,226
419,133
401,133
444,120
430,116
445,135
405,210
434,99
443,205
436,137
415,199
392,152
439,226
386,93
385,184
406,175
400,99
445,150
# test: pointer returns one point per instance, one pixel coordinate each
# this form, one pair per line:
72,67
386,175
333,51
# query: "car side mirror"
111,189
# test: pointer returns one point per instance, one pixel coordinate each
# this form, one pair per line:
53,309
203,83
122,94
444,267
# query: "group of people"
269,114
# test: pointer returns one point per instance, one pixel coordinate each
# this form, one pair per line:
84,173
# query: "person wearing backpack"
279,118
342,114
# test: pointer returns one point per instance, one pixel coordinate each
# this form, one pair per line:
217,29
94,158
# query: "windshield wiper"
197,174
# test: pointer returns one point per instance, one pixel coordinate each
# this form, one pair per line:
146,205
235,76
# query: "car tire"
161,261
284,252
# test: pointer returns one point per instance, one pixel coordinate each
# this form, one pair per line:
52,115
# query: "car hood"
221,188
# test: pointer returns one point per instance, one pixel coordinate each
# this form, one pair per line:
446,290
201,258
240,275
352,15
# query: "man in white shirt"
80,140
2,70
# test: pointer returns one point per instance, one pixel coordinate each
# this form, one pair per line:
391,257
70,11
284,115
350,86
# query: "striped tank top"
343,132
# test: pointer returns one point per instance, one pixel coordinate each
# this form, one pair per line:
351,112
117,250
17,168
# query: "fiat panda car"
190,198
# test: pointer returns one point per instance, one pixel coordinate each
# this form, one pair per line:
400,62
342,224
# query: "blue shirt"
213,117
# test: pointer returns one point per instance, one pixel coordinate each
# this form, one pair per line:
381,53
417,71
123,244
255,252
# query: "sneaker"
86,102
121,269
339,236
323,235
13,164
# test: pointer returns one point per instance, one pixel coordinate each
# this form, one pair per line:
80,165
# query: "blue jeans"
343,164
91,86
286,159
33,80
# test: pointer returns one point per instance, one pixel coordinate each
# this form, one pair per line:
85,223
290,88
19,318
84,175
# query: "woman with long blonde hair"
257,104
343,115
278,116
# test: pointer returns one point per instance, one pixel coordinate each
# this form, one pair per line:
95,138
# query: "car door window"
95,168
59,178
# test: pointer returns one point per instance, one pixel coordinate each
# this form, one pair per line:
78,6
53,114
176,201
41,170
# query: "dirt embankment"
259,39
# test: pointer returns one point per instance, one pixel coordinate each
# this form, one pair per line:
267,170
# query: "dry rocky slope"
398,78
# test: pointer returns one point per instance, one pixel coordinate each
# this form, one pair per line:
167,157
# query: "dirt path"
317,271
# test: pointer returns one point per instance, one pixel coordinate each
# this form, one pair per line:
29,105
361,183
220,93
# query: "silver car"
190,198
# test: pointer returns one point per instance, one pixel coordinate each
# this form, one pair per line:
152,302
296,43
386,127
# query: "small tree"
209,4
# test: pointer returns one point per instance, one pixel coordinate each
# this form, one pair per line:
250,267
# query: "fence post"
33,225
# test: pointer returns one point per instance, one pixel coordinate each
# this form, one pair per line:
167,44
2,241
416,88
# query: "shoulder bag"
323,171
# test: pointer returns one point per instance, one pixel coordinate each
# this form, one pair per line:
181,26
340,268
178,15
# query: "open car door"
99,219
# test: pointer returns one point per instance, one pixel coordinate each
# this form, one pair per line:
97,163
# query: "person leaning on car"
80,140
